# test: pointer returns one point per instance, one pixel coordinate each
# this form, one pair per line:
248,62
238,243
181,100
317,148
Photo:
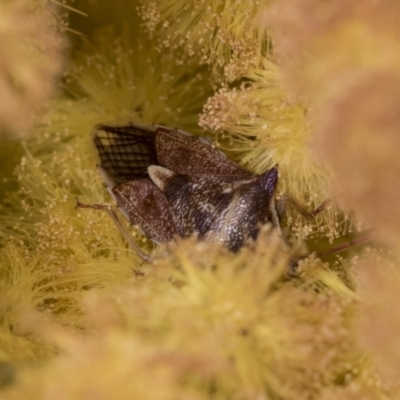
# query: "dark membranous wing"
125,152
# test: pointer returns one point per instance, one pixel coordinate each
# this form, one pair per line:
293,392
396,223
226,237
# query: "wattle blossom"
308,85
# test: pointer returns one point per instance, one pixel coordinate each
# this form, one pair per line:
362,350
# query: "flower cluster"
225,34
31,50
319,98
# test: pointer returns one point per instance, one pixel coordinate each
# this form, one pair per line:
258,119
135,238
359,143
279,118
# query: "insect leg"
300,209
365,237
294,262
111,212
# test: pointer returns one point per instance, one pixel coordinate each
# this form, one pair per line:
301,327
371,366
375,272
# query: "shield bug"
171,184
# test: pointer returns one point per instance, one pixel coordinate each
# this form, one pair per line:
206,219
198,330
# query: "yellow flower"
31,50
225,34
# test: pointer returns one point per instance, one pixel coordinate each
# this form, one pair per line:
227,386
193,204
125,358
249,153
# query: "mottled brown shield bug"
171,184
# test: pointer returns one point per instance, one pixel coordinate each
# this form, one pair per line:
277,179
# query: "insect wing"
125,152
190,155
145,205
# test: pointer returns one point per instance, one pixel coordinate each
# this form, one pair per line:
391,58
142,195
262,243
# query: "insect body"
169,183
